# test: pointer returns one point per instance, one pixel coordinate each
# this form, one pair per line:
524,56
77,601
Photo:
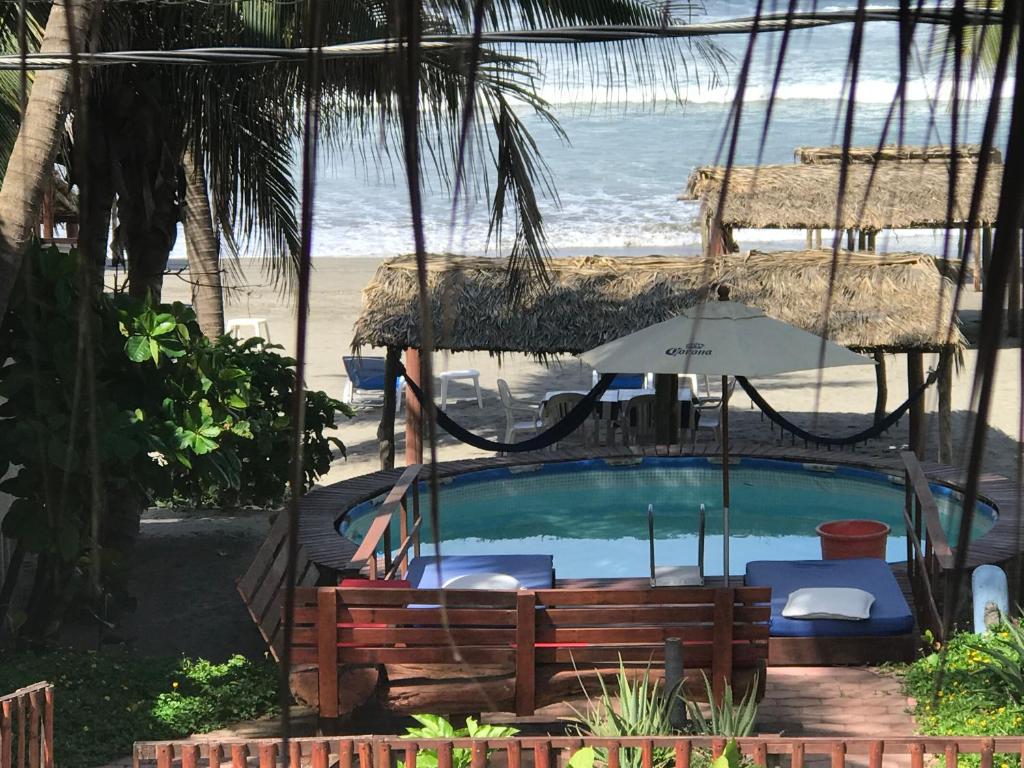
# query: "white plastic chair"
709,413
556,409
513,409
248,327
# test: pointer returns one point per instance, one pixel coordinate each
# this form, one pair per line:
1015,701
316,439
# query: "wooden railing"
469,650
378,537
26,727
929,556
555,752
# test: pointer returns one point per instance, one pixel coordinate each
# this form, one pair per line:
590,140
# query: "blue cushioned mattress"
890,614
532,571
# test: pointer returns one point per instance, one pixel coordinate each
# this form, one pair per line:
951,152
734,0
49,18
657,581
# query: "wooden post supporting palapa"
862,240
945,385
978,267
413,412
666,406
881,387
915,378
849,239
817,238
986,250
1013,313
871,239
386,428
810,239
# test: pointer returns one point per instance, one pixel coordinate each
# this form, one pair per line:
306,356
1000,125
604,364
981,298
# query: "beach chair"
243,328
637,420
556,409
514,409
366,381
708,414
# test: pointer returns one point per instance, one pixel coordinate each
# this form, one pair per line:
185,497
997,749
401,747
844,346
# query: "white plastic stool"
468,373
247,327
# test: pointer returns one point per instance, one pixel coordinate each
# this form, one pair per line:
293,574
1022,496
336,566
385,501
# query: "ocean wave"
869,91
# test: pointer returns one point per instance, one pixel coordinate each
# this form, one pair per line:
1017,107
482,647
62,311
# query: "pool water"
592,515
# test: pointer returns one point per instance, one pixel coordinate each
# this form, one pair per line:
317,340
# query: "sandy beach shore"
841,405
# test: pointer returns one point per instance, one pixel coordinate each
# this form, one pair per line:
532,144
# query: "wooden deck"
322,508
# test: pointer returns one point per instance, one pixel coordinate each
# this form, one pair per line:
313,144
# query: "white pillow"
843,603
489,581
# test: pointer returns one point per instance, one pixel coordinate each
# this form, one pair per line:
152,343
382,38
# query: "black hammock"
573,420
582,410
858,437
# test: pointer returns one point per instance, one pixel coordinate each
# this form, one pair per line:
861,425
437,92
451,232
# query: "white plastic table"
470,374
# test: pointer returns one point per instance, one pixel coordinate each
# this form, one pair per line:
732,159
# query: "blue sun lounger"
366,375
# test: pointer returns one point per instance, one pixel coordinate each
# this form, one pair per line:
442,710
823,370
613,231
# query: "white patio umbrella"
721,338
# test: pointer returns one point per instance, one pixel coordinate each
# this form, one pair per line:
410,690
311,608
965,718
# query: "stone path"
834,701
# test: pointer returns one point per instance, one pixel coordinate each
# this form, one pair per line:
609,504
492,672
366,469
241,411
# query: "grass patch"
105,702
972,700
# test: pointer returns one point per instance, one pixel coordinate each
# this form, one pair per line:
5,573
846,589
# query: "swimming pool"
592,515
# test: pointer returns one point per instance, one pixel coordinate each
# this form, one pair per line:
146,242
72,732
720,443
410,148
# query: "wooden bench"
517,651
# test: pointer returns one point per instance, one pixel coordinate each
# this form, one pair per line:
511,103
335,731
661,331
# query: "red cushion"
376,583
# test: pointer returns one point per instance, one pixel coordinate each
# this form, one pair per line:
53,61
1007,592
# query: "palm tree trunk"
30,168
203,248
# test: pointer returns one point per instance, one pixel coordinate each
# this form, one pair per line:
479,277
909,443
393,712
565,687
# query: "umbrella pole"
725,478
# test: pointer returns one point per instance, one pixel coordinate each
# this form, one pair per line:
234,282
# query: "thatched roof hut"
891,152
894,303
903,195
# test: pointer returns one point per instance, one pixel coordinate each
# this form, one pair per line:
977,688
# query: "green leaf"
137,349
154,350
232,374
163,324
235,400
583,758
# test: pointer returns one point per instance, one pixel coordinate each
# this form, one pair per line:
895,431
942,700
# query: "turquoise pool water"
592,515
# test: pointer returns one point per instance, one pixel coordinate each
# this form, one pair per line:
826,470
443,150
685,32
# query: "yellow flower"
174,685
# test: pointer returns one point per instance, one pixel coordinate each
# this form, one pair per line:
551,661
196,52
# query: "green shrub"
970,697
731,718
149,411
437,727
104,703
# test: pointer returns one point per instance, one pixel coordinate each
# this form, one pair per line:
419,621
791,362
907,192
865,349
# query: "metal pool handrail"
410,522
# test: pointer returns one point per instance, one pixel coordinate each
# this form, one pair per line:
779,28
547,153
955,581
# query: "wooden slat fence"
531,642
26,727
548,752
929,557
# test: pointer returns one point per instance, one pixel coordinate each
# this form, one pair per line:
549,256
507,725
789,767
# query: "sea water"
630,147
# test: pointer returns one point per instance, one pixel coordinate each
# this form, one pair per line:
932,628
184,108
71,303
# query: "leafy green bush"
970,697
103,703
437,727
112,404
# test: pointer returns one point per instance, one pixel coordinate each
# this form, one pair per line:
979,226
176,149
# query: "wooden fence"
379,537
929,556
548,752
26,727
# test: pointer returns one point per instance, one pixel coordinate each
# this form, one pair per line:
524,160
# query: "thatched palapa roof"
891,152
895,303
904,195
